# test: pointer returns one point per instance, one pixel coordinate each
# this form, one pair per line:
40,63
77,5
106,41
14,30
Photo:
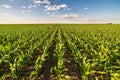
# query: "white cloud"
68,16
12,0
7,6
41,1
88,19
23,7
29,11
48,13
56,7
52,13
5,14
23,11
68,9
91,20
32,6
86,8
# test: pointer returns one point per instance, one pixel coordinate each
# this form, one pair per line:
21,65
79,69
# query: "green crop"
26,50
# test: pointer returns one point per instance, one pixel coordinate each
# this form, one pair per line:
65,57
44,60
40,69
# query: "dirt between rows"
51,61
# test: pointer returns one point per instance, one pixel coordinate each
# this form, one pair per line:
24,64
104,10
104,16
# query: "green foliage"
95,49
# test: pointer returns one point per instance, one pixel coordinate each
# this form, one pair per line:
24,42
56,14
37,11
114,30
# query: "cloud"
48,13
41,1
52,13
86,8
23,7
89,19
5,14
7,6
68,16
29,11
23,11
37,3
32,6
56,7
12,0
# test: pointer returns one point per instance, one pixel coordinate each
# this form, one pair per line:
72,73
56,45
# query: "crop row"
59,52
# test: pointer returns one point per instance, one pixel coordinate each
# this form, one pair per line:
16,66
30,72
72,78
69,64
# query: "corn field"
60,52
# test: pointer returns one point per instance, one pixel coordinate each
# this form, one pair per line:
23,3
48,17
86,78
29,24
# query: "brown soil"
69,63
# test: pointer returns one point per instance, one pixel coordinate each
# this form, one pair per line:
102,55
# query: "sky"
59,11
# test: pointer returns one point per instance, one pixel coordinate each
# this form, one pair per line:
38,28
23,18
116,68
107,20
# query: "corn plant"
60,53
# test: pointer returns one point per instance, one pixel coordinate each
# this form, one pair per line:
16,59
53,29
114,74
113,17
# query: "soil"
69,63
51,61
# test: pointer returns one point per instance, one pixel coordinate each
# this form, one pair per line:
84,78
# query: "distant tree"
109,23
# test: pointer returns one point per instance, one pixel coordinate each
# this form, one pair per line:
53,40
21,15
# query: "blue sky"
59,11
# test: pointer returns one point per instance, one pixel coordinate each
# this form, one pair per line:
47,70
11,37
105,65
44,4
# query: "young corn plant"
38,66
39,63
86,67
60,65
18,65
60,53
